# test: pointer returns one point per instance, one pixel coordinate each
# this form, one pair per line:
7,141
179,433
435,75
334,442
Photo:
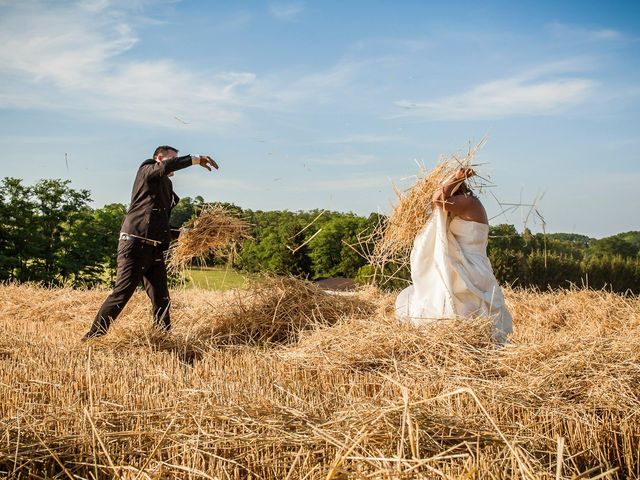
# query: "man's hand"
207,162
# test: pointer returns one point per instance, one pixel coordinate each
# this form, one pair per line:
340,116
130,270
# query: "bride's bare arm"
467,207
442,195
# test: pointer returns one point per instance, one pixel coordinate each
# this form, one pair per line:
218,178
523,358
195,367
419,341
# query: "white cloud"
393,45
582,34
286,11
59,44
77,57
279,91
94,5
607,34
62,57
531,93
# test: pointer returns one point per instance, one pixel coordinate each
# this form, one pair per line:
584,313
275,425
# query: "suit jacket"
152,199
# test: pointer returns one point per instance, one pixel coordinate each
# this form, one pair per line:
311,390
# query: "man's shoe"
92,334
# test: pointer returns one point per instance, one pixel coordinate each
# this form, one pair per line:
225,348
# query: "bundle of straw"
215,230
393,237
277,309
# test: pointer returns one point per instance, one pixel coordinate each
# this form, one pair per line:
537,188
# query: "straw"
215,231
284,380
389,245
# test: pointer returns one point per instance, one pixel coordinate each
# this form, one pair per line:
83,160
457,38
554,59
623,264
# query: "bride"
451,274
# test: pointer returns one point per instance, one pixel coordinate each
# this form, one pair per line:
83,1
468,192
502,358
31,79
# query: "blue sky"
325,104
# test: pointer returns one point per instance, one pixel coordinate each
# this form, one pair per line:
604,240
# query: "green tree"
615,245
57,207
276,249
18,222
332,253
185,210
92,245
37,221
551,270
505,237
505,250
614,272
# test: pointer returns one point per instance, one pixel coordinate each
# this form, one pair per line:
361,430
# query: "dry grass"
277,310
215,231
289,383
388,247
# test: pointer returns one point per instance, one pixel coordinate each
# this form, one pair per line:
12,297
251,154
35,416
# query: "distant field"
217,278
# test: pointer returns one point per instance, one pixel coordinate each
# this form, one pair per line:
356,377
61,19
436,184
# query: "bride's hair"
464,189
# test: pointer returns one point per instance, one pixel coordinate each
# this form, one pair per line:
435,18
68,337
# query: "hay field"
286,382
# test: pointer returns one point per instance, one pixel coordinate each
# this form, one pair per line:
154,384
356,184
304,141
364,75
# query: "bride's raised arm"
456,197
449,187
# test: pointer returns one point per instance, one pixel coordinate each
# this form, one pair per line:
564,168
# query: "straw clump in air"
215,231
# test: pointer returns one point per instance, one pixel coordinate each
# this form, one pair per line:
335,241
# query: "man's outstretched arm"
165,167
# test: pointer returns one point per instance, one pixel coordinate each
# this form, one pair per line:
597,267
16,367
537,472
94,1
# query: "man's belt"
135,238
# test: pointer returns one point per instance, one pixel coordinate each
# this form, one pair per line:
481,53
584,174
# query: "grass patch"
216,278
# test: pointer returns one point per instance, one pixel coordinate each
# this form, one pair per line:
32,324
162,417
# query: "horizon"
367,214
320,105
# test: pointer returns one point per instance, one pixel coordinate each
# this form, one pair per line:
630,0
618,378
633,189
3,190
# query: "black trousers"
137,261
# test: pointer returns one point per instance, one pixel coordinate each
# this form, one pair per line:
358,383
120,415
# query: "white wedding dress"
452,276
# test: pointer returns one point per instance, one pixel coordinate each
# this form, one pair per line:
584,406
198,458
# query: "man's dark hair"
164,149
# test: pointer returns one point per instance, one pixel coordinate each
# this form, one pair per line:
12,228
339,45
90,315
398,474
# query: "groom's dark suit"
144,237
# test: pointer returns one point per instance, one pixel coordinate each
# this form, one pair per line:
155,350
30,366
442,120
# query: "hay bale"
276,310
215,230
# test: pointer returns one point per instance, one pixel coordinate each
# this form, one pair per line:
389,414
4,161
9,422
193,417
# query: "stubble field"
283,381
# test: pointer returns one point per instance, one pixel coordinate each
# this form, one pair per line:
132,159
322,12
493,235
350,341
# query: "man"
144,237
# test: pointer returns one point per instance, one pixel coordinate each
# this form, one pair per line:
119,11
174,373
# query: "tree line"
49,233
